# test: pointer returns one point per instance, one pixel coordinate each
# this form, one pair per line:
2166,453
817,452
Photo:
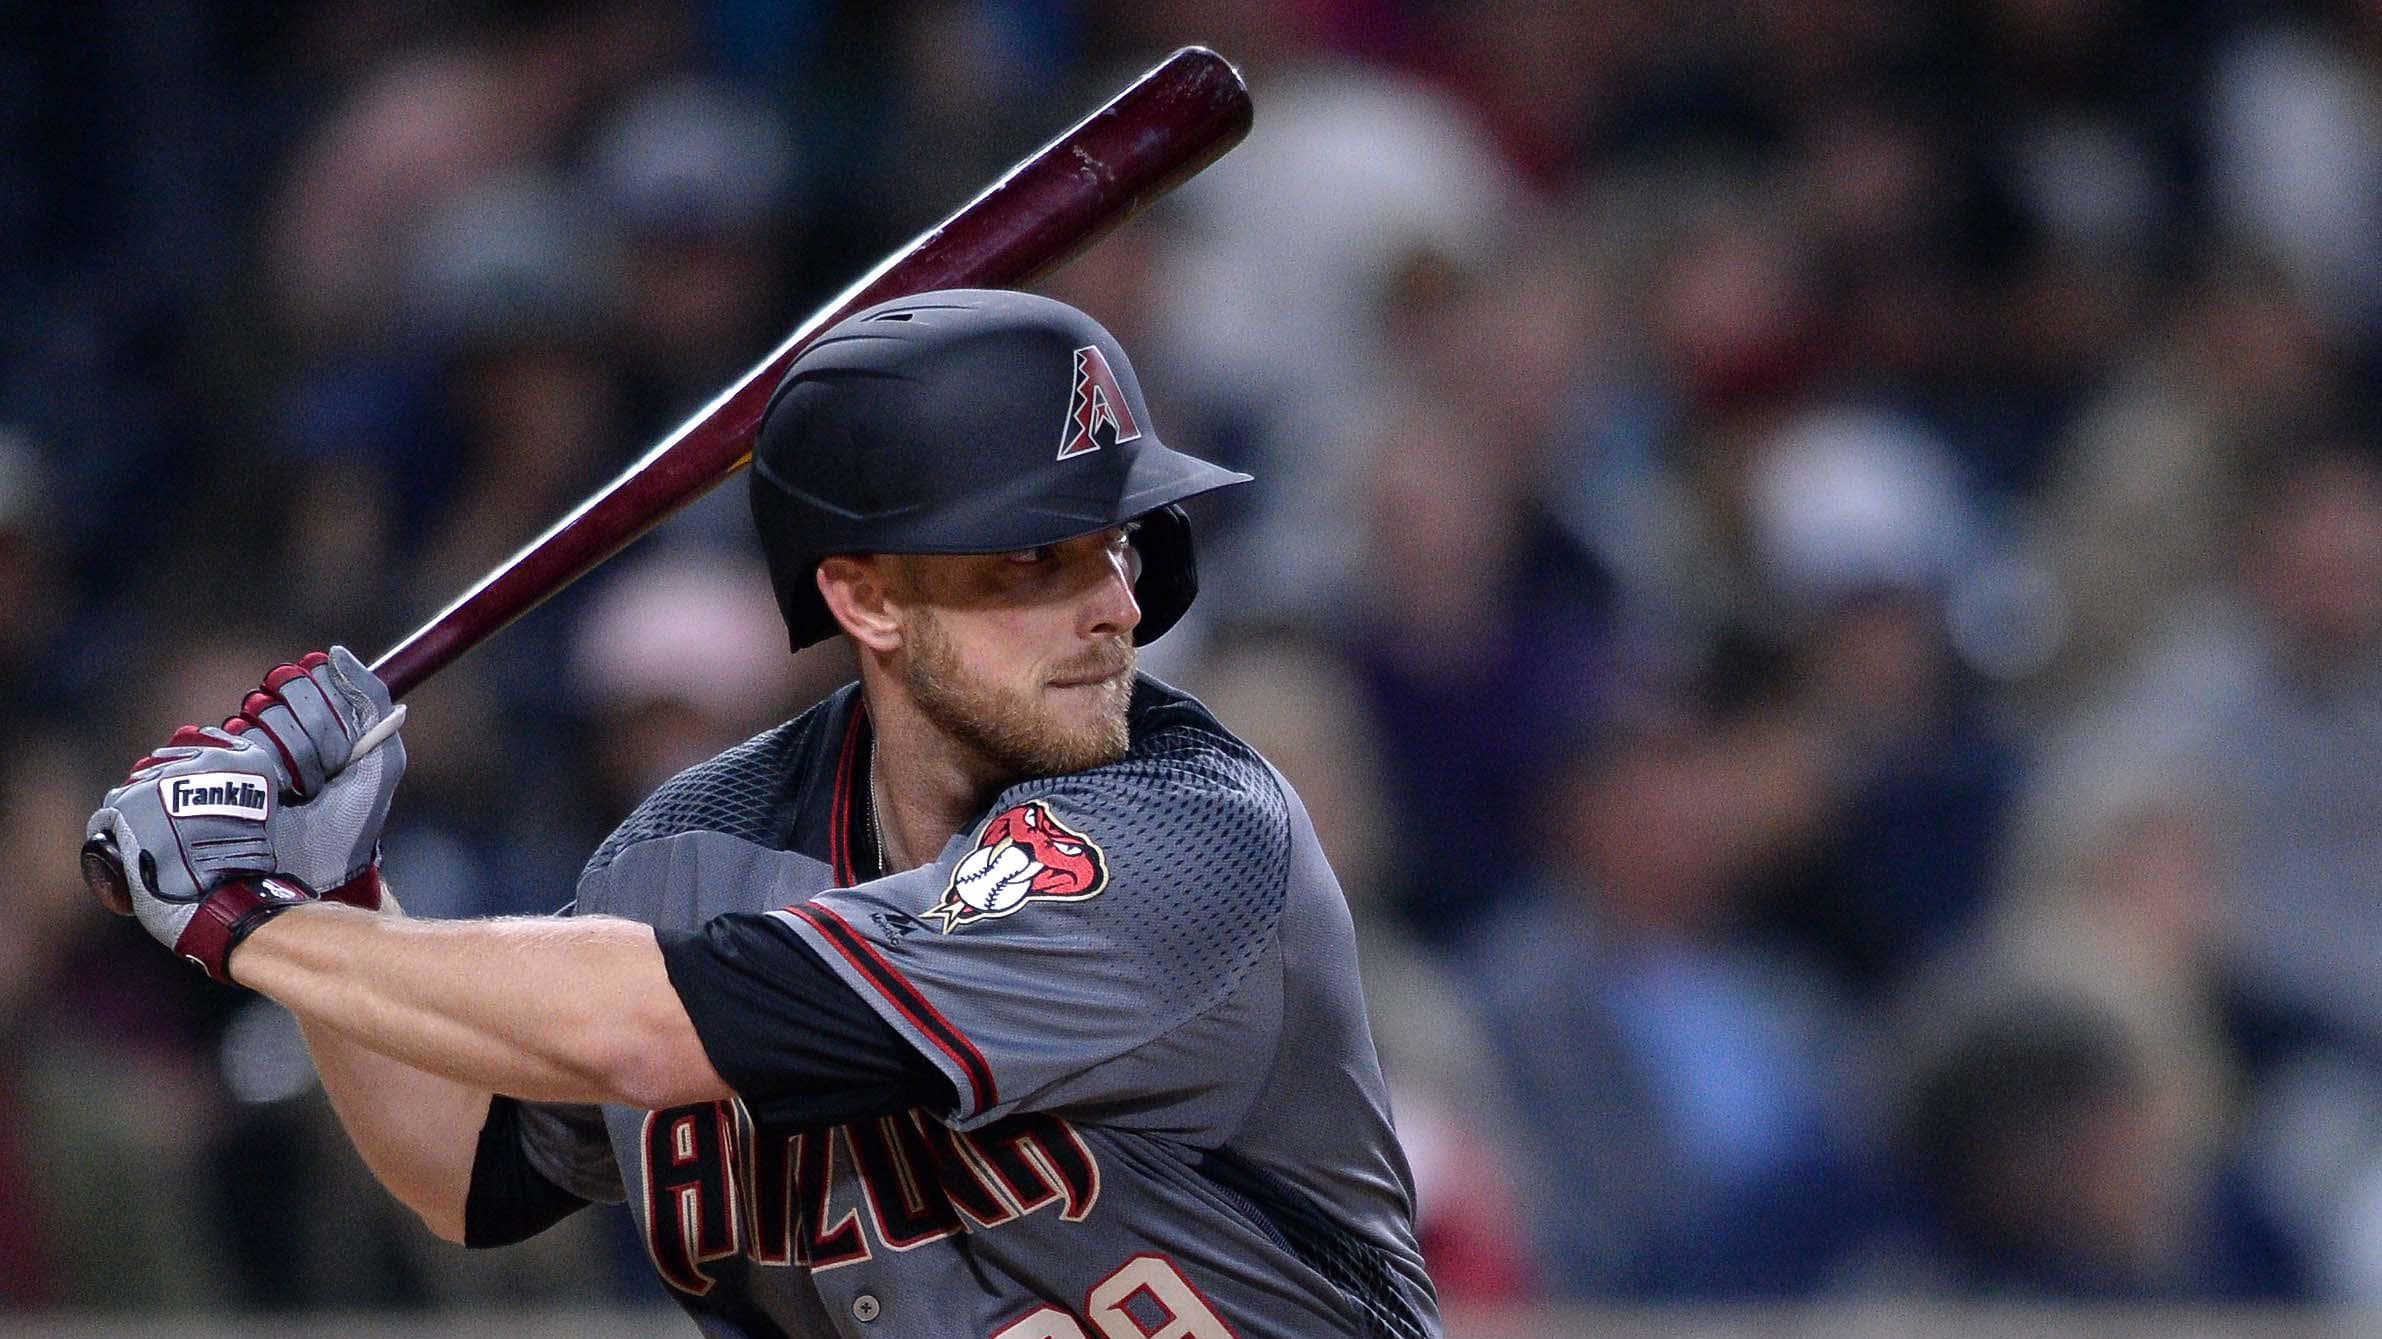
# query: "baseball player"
1002,995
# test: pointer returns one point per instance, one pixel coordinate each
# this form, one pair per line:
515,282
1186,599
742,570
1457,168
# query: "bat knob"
103,874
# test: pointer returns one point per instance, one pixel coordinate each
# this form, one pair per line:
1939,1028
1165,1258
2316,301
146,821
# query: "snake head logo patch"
1024,854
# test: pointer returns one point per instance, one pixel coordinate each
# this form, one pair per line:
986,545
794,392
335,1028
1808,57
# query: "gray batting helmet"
968,421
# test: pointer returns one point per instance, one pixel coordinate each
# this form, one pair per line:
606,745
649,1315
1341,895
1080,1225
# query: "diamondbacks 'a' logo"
1097,414
1023,855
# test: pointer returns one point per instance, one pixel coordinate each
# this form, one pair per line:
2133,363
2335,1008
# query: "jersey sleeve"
566,1144
787,1033
1098,940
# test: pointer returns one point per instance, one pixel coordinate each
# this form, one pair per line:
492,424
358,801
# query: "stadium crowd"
1818,563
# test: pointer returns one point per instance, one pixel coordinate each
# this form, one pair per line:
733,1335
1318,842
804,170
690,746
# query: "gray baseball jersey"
1141,983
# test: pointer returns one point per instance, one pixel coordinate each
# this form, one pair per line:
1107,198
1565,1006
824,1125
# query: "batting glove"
296,786
191,830
313,713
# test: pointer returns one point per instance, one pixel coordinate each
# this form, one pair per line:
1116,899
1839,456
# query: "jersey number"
1146,1298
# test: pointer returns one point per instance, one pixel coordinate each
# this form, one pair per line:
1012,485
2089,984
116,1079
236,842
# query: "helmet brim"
1003,521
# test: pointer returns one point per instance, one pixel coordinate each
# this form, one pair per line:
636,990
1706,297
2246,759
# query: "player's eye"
1040,553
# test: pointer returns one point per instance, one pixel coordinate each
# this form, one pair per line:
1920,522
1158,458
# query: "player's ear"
860,592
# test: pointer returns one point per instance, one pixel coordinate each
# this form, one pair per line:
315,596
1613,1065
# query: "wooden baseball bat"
1176,119
1172,122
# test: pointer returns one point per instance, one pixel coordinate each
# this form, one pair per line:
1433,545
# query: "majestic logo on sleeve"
1023,855
1097,414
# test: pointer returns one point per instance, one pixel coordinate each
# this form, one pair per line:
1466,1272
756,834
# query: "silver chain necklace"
876,821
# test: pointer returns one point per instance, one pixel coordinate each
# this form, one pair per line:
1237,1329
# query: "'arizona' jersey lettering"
718,1186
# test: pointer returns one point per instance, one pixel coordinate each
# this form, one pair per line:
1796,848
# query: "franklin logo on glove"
219,794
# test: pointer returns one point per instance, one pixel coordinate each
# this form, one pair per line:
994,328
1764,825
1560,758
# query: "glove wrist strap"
362,890
232,913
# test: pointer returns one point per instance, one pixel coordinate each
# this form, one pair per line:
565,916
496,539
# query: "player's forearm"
417,1131
569,1010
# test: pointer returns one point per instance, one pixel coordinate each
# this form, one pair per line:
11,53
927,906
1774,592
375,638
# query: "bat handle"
103,874
379,733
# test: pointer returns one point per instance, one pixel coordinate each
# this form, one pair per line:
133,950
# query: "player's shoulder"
1168,724
1189,833
1183,773
1178,742
757,790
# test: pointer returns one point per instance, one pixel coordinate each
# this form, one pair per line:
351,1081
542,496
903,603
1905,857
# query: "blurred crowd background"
1819,563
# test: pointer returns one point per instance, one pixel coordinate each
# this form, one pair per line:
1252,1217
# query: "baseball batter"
1003,995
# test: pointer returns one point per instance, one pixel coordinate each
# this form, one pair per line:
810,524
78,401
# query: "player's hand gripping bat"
1173,121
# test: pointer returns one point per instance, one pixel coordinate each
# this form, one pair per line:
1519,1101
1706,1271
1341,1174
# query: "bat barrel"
1173,121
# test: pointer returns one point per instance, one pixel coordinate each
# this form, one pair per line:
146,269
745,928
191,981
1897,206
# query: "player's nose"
1110,609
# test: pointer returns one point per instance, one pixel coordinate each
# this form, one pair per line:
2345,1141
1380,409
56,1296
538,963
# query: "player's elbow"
439,1198
440,1206
444,1221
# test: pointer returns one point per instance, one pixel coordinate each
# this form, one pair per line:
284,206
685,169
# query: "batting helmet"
967,421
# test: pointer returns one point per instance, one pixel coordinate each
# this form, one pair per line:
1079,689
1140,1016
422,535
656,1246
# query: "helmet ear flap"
784,522
1169,571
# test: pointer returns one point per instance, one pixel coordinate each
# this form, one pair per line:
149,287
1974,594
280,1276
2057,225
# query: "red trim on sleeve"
905,997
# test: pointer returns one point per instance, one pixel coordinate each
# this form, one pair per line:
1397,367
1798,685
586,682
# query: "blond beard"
1010,727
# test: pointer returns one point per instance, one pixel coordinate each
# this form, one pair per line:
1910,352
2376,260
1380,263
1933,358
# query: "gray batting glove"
313,740
193,832
315,713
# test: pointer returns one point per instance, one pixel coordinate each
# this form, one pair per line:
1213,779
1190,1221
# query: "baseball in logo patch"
1024,854
1097,413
